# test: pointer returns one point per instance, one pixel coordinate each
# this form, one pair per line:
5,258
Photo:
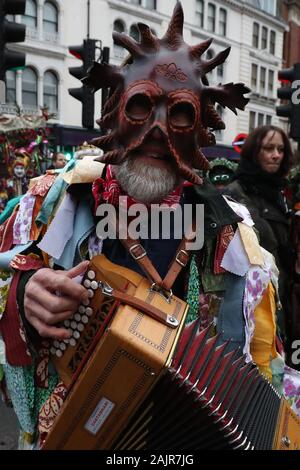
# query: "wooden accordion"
140,381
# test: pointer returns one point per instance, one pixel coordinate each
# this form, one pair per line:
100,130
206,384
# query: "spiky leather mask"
162,89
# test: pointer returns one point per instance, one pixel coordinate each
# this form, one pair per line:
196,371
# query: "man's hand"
51,297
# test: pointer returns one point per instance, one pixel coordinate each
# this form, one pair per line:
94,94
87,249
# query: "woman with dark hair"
259,184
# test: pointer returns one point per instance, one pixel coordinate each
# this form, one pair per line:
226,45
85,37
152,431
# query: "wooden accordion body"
135,383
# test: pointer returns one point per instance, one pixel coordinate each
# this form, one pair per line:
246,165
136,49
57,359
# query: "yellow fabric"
263,347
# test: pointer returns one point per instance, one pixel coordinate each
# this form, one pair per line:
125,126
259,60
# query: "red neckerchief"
108,190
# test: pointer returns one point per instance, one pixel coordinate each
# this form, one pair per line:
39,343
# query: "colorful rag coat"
231,282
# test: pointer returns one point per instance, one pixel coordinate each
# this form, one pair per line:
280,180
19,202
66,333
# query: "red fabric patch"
26,263
17,353
224,238
6,233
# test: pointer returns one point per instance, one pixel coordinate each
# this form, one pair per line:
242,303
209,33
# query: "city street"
8,428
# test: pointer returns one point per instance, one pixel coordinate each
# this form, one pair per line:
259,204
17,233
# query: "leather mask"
161,106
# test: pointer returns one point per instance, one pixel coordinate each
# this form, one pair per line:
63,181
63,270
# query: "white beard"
145,183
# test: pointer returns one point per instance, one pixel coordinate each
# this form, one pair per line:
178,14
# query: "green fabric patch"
193,291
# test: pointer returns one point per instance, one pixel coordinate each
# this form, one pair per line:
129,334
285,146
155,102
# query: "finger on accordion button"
91,274
90,293
86,302
94,285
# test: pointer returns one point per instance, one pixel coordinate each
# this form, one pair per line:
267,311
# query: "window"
119,51
29,88
220,71
262,86
264,38
260,119
134,32
254,70
200,13
51,91
151,4
222,21
271,82
211,17
30,17
272,42
255,35
219,133
209,56
11,87
251,121
268,120
269,6
119,26
50,18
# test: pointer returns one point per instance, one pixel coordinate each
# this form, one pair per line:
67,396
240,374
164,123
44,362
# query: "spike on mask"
161,107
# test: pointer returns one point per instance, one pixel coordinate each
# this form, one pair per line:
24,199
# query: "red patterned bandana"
108,191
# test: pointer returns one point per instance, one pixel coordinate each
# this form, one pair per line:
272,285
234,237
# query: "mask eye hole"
182,115
138,107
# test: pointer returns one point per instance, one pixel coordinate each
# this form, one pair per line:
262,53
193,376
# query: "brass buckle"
166,294
179,261
137,245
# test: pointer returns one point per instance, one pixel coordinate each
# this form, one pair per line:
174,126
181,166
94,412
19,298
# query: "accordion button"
67,323
81,309
52,350
72,342
90,293
80,327
56,343
73,325
91,274
85,319
58,353
87,283
86,302
89,311
66,341
77,316
62,347
76,334
94,285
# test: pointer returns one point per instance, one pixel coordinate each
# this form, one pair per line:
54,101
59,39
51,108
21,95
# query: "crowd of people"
239,281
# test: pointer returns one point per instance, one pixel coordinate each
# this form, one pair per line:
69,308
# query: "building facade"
252,28
290,10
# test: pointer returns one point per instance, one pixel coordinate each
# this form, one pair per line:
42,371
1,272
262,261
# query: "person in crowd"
259,184
221,172
58,161
159,114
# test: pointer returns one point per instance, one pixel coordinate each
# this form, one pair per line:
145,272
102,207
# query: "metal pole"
88,18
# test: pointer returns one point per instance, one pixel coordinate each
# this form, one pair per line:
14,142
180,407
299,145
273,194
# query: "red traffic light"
77,51
286,75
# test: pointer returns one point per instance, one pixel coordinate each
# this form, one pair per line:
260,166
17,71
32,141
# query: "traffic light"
11,32
290,93
86,53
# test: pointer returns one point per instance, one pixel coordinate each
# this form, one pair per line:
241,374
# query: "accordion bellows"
141,385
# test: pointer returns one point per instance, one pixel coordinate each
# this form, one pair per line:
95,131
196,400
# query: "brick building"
290,11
